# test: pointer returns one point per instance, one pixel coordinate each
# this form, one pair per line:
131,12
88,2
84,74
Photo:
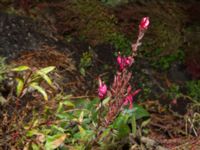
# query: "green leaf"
46,131
79,147
105,133
35,147
20,86
68,103
35,123
121,119
63,116
106,100
53,142
121,125
35,85
60,107
145,123
82,71
140,112
81,103
82,131
63,97
46,70
133,124
92,104
58,128
32,132
80,119
83,135
44,76
20,68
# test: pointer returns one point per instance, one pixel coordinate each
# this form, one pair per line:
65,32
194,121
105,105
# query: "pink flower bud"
124,61
119,59
144,24
102,90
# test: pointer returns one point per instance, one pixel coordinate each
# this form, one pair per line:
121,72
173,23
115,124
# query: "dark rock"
18,33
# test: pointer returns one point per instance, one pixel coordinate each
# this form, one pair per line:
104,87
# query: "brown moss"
44,57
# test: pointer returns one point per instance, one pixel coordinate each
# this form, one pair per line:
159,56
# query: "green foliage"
165,62
20,86
20,68
173,91
31,78
129,117
35,86
120,42
93,27
3,68
114,2
85,62
166,28
193,89
53,142
76,125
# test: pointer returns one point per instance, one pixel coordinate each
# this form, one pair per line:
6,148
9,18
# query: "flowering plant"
120,92
83,123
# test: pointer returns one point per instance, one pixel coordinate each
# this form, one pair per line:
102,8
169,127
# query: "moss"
114,2
98,24
3,68
85,62
166,25
120,42
193,89
89,20
165,31
165,62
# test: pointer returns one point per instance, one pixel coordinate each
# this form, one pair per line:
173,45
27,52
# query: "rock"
20,33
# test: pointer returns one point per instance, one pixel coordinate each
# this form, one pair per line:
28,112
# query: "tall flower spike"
144,24
102,90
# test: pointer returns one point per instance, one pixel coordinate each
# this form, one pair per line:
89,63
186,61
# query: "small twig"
79,97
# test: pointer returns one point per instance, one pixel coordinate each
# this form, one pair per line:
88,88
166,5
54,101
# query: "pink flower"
129,98
124,61
120,61
129,60
144,24
102,90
